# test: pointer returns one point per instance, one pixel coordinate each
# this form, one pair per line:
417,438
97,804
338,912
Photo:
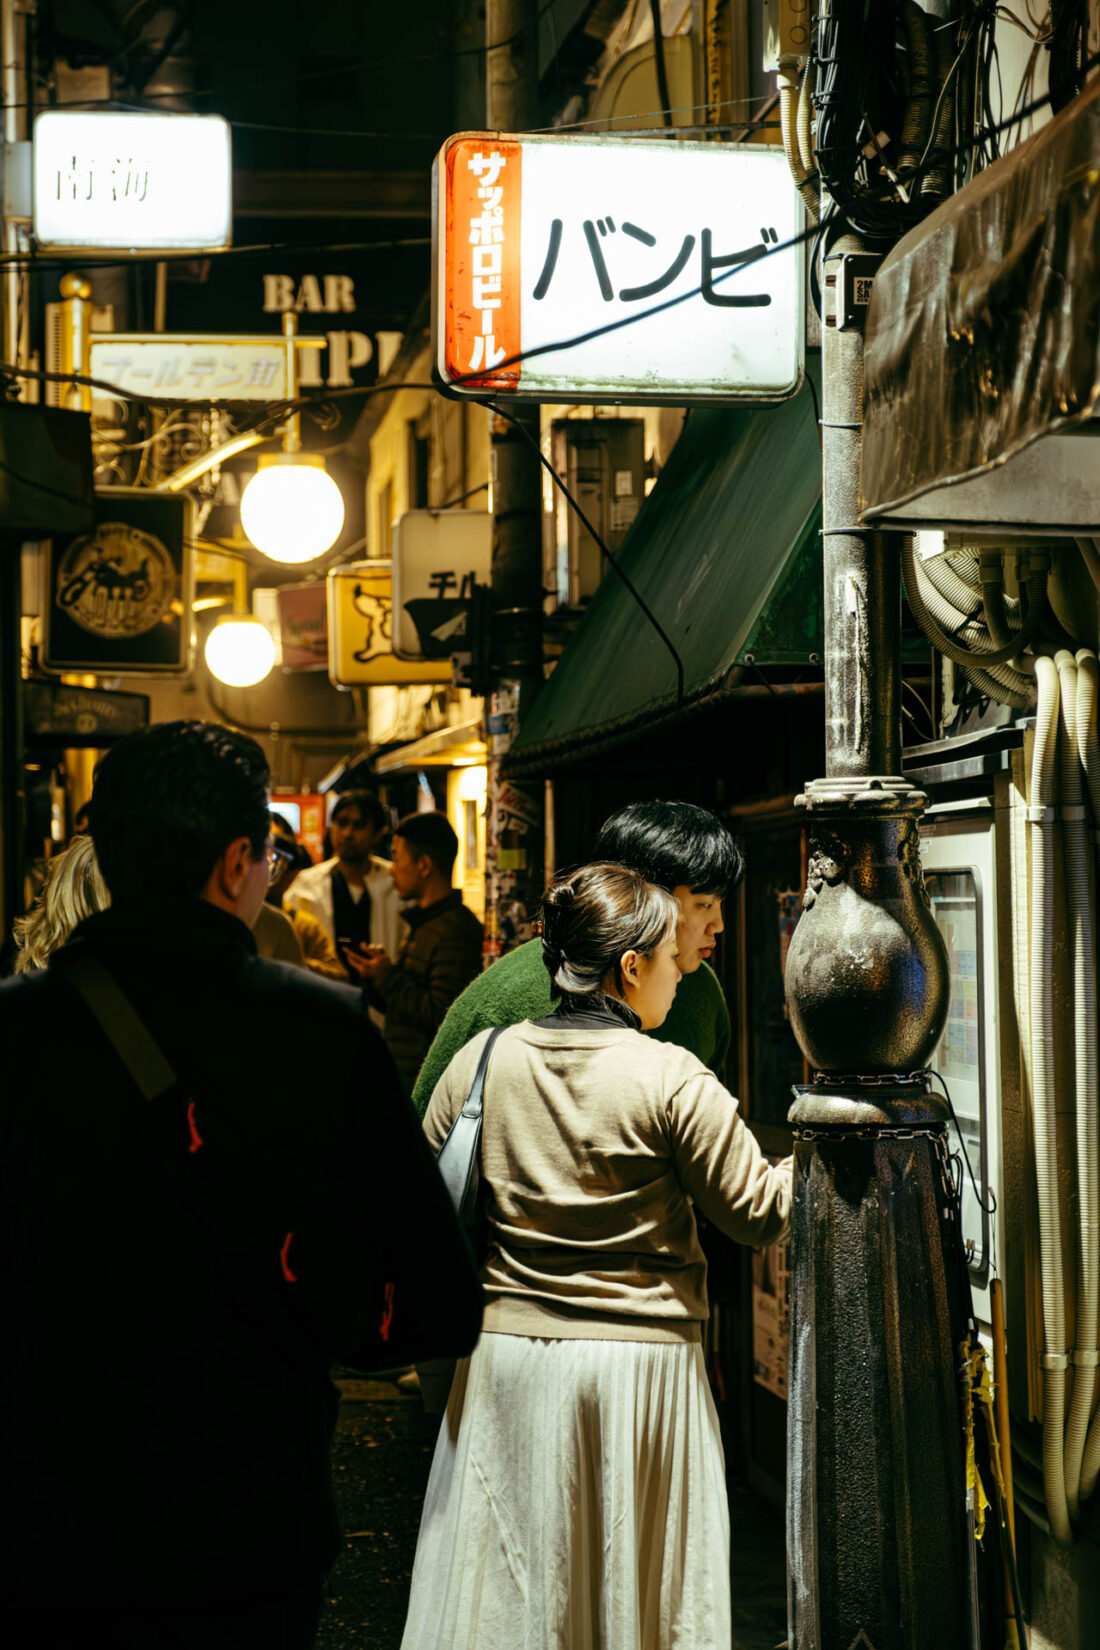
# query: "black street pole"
514,849
876,1500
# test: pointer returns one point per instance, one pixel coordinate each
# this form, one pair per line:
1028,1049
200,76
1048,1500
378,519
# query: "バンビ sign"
611,269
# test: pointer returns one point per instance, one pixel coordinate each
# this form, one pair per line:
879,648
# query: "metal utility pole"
876,1501
13,35
514,854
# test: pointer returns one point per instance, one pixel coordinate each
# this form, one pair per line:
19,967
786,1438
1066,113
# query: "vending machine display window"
960,1053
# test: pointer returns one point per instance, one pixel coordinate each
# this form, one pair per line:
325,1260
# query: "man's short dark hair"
168,800
430,834
371,810
674,844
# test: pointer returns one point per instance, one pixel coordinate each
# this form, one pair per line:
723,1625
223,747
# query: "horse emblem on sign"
117,582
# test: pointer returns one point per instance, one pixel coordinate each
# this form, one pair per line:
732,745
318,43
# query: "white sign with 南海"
612,269
131,182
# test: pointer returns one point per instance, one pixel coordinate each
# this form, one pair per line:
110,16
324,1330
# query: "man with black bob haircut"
352,894
441,953
198,1223
676,845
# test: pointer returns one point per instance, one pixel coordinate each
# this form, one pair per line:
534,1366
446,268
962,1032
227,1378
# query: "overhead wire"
810,233
42,262
280,411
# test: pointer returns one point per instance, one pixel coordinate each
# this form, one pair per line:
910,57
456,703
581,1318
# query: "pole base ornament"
867,974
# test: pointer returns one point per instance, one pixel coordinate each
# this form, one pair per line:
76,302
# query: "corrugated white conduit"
1077,677
962,604
795,87
1055,1358
964,638
1088,1128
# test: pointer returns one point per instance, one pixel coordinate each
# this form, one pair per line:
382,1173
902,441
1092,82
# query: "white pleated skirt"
577,1501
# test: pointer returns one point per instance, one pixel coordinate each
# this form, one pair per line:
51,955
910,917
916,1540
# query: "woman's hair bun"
592,916
555,908
562,894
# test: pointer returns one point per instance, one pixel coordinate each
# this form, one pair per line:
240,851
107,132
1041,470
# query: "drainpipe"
513,857
876,1522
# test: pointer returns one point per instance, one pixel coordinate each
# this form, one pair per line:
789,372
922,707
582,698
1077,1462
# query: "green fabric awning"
727,555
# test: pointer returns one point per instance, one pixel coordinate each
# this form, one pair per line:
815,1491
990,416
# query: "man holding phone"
441,952
352,894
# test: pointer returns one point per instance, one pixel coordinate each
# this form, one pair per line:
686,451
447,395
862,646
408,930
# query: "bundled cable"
884,94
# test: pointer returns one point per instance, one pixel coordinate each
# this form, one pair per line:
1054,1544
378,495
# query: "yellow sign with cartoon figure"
360,631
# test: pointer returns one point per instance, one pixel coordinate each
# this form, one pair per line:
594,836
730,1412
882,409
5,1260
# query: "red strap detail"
284,1254
196,1137
387,1315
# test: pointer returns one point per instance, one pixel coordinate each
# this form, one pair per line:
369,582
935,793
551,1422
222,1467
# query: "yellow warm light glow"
292,510
239,651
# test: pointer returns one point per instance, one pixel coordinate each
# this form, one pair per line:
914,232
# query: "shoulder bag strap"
257,1298
122,1025
459,1157
474,1099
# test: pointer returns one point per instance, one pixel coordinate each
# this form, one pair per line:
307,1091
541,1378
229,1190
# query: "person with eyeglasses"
318,952
273,930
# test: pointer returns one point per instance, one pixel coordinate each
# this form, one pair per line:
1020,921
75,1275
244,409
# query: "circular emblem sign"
118,582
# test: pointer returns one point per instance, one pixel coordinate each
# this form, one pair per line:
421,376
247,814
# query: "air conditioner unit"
602,461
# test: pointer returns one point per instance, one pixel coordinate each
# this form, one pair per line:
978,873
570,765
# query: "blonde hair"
73,890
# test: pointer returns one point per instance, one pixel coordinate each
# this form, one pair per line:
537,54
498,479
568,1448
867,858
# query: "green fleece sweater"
517,987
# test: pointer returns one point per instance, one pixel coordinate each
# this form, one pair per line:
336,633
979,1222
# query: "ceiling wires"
886,111
908,107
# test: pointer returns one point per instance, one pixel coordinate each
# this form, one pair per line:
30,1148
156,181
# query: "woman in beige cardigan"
577,1497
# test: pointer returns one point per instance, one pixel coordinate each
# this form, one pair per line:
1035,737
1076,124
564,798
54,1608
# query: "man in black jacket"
179,1274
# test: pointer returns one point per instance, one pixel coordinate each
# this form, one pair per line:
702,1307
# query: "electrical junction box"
850,285
603,463
788,26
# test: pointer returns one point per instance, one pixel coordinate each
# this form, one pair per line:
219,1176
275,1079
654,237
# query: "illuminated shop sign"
655,265
131,182
360,632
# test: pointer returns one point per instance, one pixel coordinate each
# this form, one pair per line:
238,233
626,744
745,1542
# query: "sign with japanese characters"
438,555
194,366
360,632
118,599
131,182
611,269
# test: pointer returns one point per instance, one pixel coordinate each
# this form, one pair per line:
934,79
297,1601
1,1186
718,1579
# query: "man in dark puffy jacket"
441,953
179,1272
